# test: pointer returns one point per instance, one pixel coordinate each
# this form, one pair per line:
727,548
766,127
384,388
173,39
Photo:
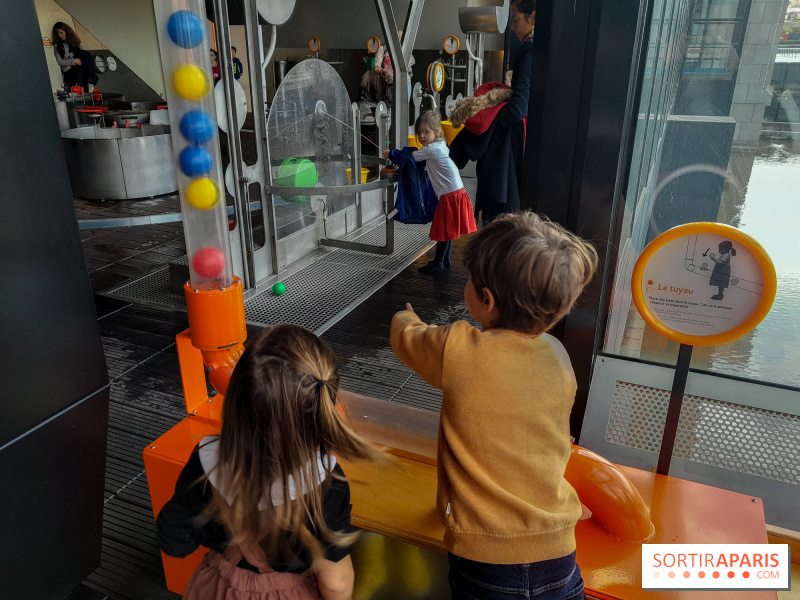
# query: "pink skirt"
453,217
217,578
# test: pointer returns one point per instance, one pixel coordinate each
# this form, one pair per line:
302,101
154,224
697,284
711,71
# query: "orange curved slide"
615,503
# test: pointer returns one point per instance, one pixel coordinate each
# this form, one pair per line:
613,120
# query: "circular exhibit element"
239,102
195,161
316,125
208,262
373,45
703,284
191,82
202,193
314,44
279,289
100,64
451,44
275,12
483,19
436,76
185,29
197,127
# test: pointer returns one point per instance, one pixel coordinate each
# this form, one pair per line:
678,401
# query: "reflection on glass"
718,139
714,47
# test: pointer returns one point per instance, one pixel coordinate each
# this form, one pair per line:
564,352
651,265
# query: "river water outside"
771,215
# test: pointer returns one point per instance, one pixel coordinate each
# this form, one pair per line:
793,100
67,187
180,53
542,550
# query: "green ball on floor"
279,289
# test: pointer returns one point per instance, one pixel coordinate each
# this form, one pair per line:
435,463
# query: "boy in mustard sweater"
508,389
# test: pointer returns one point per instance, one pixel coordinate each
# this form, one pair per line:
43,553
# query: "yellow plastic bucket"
413,142
364,173
450,132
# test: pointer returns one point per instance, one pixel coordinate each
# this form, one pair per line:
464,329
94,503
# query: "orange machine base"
398,500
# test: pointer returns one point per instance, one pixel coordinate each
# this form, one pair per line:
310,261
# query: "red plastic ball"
208,262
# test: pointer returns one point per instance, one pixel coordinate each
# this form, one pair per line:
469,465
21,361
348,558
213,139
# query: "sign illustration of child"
721,275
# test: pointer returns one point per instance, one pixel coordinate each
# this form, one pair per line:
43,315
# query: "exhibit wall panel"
54,404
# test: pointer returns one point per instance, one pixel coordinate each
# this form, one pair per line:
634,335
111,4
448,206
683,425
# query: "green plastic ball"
279,289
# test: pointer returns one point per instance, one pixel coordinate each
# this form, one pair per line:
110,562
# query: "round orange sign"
703,284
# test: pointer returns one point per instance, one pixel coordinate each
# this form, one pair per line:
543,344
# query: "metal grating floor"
323,292
317,296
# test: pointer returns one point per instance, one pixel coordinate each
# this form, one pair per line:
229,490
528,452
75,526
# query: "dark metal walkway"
147,397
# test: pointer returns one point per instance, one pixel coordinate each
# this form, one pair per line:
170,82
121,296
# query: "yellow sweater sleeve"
419,346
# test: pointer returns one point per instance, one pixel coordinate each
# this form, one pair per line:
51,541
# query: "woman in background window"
66,48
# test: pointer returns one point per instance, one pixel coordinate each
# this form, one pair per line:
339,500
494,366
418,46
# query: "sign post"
672,286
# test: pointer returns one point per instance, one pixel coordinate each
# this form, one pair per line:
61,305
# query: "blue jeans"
556,579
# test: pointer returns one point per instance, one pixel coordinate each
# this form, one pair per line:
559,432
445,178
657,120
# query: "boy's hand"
386,153
409,307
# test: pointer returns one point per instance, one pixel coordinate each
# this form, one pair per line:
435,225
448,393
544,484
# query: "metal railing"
789,52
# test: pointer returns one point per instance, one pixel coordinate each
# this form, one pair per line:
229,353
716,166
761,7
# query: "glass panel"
726,151
720,9
713,32
310,140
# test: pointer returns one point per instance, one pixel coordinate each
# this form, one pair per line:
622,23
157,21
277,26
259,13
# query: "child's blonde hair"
535,269
279,411
432,119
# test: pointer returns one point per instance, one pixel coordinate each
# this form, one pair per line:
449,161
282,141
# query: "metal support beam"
355,162
385,250
401,54
258,88
381,118
241,188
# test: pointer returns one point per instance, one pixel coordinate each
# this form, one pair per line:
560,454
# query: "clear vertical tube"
185,58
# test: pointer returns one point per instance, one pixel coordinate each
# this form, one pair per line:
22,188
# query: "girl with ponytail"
266,495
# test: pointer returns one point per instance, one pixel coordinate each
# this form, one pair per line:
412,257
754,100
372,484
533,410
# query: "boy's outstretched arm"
418,345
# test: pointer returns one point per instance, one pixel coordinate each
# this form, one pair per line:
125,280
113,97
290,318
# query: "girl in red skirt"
454,215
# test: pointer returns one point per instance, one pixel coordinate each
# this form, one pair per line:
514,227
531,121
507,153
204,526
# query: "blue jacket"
416,201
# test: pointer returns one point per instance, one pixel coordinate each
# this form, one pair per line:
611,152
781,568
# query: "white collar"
208,451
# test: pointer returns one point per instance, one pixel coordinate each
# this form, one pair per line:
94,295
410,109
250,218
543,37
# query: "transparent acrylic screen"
310,140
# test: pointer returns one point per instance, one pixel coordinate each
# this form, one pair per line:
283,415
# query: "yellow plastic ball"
190,82
202,193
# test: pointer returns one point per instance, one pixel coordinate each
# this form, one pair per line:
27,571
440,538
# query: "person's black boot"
437,264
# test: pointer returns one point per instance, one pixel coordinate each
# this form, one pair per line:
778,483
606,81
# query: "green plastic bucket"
297,172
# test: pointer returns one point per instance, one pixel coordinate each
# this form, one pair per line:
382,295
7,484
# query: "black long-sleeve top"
179,534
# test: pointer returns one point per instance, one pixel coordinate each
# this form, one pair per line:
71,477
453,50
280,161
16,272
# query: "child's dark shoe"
432,267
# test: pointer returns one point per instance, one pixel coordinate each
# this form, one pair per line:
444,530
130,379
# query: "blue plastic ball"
195,161
185,29
197,127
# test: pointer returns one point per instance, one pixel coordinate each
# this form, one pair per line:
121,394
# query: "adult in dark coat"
498,151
